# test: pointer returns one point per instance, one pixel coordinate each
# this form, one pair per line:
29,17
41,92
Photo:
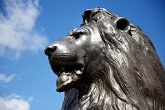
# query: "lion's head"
107,63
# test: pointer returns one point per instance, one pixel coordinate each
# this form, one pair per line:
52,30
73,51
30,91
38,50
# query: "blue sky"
27,26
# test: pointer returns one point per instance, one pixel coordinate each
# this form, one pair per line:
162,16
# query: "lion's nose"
50,49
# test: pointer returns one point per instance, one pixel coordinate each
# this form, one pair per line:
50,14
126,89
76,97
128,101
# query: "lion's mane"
132,78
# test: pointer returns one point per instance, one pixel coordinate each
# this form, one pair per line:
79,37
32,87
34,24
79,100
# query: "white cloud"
6,79
17,27
14,102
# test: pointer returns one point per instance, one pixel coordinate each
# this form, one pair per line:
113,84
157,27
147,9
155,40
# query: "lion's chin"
63,82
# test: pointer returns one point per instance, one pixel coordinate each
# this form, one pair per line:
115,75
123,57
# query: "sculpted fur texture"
107,64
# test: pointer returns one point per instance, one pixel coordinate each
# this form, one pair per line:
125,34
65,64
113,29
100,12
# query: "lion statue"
107,63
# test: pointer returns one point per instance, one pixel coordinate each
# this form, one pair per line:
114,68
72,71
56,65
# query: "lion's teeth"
63,68
78,72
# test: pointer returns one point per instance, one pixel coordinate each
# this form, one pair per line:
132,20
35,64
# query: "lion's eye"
77,35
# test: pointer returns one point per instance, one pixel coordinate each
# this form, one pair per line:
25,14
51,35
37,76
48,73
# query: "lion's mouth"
67,75
77,69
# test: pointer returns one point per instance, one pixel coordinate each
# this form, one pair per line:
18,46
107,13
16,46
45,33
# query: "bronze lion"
107,63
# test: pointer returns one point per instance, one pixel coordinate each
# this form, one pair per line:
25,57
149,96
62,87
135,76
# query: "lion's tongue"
78,72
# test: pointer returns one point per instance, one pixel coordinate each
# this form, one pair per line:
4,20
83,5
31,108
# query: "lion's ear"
86,16
122,24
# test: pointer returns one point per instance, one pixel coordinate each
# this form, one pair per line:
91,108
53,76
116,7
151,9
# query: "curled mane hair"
133,77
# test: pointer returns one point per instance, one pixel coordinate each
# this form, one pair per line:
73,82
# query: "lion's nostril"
49,50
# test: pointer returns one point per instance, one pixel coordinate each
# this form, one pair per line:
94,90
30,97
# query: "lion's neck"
97,97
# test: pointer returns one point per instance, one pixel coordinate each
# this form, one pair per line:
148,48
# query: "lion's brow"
79,31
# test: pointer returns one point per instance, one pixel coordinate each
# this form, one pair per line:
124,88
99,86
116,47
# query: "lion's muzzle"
65,65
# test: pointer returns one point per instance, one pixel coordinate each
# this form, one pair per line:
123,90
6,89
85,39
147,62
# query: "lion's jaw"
67,73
